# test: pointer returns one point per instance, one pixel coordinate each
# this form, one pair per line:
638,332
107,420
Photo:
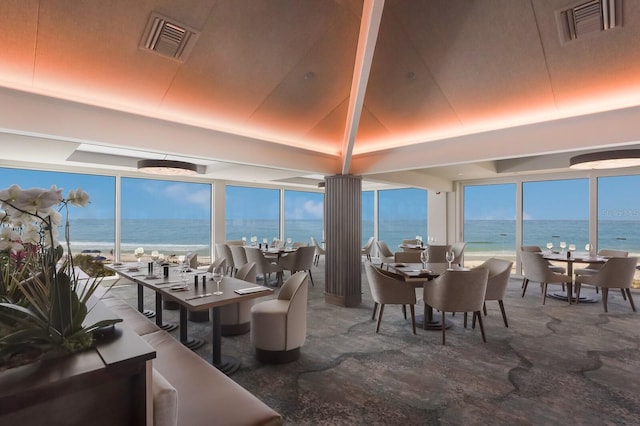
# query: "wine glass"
424,257
289,241
563,245
549,247
450,256
587,248
217,277
572,247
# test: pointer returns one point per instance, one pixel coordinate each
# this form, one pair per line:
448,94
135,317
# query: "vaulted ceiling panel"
90,50
245,52
486,57
18,40
599,68
402,94
317,85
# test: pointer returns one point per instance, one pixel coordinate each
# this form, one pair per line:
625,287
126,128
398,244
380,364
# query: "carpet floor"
556,364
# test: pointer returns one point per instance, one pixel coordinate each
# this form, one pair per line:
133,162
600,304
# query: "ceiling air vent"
589,18
168,38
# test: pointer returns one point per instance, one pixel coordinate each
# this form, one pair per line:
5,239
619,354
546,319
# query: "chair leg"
605,296
544,293
525,283
465,320
633,305
484,308
504,315
479,316
311,278
379,317
624,296
444,327
473,322
375,309
413,318
404,311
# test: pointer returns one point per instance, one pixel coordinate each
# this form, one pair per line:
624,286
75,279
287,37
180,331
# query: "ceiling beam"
369,26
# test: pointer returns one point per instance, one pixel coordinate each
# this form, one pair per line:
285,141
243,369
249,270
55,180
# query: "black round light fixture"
606,160
167,167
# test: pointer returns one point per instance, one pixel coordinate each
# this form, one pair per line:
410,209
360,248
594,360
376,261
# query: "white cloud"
314,209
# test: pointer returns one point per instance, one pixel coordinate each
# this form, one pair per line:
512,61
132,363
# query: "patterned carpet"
555,365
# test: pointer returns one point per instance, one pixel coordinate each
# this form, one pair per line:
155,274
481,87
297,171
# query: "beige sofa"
205,396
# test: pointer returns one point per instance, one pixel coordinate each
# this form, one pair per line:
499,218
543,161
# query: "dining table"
570,258
180,287
419,275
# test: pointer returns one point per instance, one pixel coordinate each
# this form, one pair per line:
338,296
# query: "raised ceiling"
403,91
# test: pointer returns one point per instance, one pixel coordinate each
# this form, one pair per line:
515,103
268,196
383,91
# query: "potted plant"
43,302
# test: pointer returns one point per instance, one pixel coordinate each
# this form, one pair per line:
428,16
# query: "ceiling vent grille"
168,38
589,18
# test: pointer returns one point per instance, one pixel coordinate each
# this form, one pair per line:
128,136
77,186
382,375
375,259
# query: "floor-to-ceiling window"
303,216
368,209
252,212
172,218
402,214
556,212
91,227
489,222
619,213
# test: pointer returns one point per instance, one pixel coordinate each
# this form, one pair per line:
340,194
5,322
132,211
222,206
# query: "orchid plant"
43,303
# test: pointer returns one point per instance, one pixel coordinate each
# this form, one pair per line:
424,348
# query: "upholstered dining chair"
299,244
537,269
368,247
458,251
239,256
263,266
299,260
410,241
555,268
224,251
389,290
497,282
384,254
593,268
319,250
407,256
438,253
458,291
235,318
279,326
234,242
617,272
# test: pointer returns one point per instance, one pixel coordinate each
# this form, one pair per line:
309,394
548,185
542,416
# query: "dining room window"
303,216
368,209
489,222
619,213
556,212
169,217
402,214
252,212
92,228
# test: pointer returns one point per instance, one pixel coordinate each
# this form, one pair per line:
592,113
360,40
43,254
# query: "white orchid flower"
10,194
36,199
31,234
78,198
56,218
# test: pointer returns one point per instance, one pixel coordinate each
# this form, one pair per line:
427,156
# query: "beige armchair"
319,250
388,290
263,266
279,326
407,256
593,268
438,253
536,268
617,272
368,247
385,255
235,319
299,260
458,251
239,256
499,273
458,291
224,251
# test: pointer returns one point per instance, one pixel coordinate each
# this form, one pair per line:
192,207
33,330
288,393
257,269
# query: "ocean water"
482,236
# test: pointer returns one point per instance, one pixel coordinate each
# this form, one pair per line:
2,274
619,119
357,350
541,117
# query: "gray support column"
343,216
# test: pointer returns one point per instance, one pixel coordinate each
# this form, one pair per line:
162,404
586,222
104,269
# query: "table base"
434,324
228,365
149,313
560,295
167,326
193,344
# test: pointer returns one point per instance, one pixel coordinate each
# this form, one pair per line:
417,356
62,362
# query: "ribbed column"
343,216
